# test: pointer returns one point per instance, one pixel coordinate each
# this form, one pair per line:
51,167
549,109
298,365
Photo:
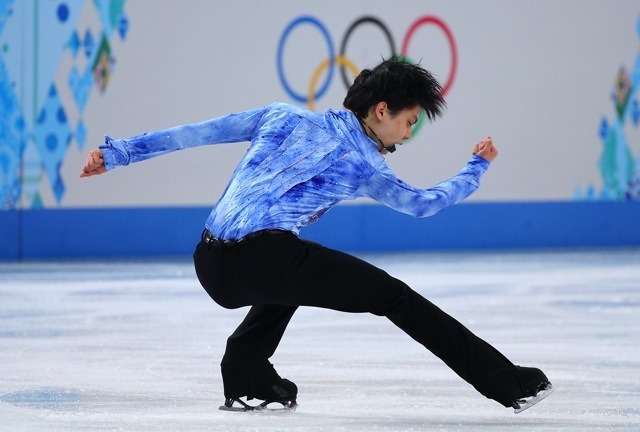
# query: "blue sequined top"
298,166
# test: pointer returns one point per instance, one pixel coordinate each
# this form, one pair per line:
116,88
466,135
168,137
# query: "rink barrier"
165,231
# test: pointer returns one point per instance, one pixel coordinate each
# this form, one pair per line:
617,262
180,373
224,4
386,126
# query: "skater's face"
393,128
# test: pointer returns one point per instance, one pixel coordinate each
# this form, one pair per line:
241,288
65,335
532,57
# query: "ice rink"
136,346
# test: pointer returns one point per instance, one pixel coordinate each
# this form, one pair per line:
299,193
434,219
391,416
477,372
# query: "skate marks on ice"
44,398
61,400
137,346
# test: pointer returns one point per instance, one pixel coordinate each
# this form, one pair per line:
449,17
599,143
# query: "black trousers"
276,273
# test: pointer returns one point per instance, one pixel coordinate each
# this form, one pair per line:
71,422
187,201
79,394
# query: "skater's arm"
384,187
237,127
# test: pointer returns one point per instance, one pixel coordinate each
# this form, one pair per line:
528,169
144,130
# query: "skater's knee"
222,296
219,291
396,302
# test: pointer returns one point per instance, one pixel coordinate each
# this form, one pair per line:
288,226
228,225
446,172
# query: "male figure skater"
298,166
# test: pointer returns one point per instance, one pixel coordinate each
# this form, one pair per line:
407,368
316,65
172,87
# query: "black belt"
209,238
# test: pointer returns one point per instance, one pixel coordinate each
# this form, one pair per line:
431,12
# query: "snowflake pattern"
36,130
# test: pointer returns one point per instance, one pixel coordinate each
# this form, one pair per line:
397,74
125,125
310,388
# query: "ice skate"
535,392
242,384
239,405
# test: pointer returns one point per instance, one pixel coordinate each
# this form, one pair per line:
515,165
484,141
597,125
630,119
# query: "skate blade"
529,402
266,406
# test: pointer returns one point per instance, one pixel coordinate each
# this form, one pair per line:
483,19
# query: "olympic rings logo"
345,65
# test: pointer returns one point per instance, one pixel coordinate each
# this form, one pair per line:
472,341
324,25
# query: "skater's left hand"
486,149
94,165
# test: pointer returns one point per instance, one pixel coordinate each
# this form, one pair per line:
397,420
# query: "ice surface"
135,346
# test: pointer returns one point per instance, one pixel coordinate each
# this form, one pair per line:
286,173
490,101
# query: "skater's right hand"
94,165
486,149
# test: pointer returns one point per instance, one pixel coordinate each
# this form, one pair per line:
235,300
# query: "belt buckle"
209,238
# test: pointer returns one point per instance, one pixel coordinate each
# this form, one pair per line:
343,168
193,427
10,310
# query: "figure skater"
299,165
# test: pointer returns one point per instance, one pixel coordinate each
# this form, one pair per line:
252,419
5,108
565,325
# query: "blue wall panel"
10,235
484,226
120,232
111,232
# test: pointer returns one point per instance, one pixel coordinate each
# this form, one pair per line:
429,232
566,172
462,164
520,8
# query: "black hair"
402,85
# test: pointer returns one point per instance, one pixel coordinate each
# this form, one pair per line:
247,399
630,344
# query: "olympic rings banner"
347,67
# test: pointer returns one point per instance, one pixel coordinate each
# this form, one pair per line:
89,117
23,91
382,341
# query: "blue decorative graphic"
123,26
88,43
6,10
31,174
604,128
74,43
35,130
110,12
63,12
11,144
80,87
81,134
619,171
52,137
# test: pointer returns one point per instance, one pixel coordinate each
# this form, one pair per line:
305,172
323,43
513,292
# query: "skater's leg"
257,337
246,370
290,271
287,271
473,359
476,361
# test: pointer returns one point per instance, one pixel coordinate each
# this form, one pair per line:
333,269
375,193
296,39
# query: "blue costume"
298,166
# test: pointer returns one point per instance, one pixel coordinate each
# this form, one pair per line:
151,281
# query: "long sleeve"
384,187
236,127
